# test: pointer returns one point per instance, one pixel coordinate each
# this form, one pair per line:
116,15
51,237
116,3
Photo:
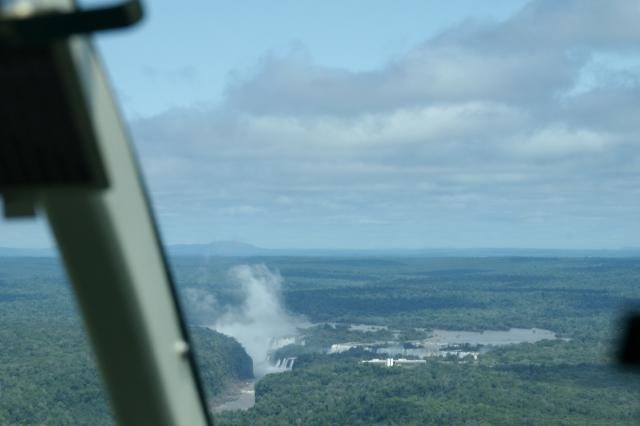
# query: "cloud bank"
522,132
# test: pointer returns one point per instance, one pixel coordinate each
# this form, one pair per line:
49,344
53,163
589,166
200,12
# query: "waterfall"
284,364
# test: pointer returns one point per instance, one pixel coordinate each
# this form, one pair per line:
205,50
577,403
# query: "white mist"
261,318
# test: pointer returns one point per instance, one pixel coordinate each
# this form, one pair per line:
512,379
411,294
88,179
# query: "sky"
371,124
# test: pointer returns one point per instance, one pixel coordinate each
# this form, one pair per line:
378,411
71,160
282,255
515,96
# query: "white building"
390,362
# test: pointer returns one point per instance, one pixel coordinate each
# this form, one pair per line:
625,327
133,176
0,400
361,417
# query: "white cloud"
558,141
239,210
482,120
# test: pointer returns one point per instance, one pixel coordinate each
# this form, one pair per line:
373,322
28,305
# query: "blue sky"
186,55
370,124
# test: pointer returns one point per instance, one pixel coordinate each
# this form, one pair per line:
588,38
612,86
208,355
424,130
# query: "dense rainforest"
47,371
338,391
537,384
47,374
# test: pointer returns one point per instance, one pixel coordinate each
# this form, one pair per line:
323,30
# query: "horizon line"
424,248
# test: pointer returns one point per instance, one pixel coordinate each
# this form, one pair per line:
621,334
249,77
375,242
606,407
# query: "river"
239,396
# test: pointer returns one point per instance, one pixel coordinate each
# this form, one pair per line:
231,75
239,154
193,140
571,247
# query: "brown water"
239,396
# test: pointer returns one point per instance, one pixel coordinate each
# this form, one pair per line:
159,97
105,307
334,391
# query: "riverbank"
238,396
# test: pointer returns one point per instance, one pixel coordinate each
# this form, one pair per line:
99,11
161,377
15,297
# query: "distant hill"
217,248
240,249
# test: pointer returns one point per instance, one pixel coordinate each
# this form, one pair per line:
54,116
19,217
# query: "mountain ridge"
240,249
